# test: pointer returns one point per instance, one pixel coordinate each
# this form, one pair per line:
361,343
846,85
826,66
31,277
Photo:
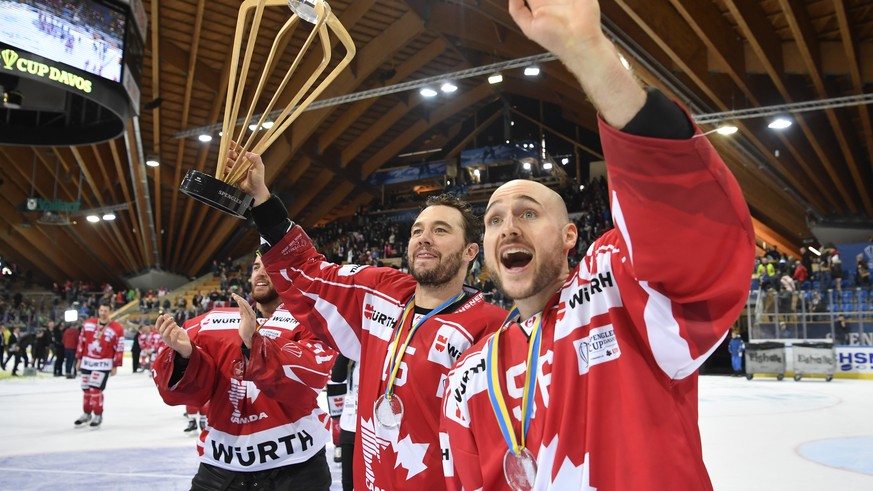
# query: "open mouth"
515,258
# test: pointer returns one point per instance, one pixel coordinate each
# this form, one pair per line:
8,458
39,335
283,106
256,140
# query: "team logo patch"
447,346
600,346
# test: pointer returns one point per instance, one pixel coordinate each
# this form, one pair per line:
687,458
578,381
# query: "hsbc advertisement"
855,360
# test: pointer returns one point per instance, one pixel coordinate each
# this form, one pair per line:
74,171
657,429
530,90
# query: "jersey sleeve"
686,231
80,345
326,297
198,379
283,367
119,347
680,212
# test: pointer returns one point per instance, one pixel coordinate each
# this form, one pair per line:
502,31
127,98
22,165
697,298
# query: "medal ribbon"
498,403
396,357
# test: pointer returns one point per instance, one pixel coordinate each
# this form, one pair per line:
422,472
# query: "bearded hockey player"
404,330
261,373
592,382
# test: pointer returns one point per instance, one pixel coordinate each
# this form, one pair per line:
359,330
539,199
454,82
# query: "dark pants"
70,361
18,356
59,360
310,475
134,355
347,451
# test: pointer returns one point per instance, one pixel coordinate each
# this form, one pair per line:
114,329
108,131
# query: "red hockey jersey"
101,347
263,412
355,308
616,396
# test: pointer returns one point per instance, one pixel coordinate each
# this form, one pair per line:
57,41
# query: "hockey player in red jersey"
98,355
592,383
261,374
405,330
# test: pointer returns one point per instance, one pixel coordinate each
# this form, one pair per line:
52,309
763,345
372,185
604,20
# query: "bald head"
536,192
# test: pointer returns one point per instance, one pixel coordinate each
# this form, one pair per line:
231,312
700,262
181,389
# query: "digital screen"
85,34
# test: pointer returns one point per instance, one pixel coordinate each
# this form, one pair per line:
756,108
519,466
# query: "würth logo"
441,343
371,314
562,309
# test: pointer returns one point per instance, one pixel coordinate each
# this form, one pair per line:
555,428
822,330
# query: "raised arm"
571,30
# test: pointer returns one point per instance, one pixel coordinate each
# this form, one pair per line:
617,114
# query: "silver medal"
389,412
520,470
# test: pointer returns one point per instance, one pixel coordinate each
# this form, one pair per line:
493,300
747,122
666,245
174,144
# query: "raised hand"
564,27
174,336
248,320
253,180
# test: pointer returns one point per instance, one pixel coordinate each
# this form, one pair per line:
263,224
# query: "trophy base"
216,193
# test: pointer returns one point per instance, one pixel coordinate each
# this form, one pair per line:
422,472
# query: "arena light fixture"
448,87
109,216
495,78
532,71
565,161
205,138
779,123
427,92
92,218
727,129
152,161
547,166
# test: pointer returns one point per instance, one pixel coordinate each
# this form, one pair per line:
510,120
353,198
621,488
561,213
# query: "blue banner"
493,154
849,255
408,174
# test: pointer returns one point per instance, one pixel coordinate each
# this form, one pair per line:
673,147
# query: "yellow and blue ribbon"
396,357
498,403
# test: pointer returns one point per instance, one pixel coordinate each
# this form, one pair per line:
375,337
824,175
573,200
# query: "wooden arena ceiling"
716,55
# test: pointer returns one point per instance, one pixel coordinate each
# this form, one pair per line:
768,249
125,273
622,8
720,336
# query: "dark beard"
543,278
444,272
266,298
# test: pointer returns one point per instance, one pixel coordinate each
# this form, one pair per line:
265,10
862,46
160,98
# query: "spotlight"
779,124
532,71
253,127
477,172
547,166
727,129
565,161
526,166
152,161
92,218
495,78
267,125
205,138
448,87
427,92
109,216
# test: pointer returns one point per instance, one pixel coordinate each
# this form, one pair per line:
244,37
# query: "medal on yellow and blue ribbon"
388,407
519,464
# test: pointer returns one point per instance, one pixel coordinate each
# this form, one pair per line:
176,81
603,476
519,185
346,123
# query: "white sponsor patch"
379,317
599,347
350,269
447,346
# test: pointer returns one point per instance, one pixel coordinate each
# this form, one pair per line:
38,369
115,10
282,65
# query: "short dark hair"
472,223
106,303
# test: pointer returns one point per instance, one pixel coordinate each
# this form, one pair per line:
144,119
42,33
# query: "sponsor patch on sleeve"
598,347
